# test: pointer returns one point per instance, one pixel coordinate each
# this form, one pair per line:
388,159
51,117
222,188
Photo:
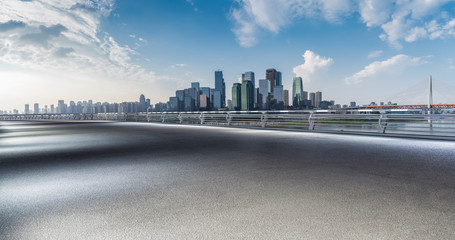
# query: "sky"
107,50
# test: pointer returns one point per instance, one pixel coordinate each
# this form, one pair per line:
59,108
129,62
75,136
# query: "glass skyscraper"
221,87
237,96
297,93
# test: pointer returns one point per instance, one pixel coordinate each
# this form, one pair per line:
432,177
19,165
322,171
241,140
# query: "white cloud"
400,20
375,54
378,69
64,35
313,63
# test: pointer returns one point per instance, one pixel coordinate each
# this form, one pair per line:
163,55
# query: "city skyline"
112,51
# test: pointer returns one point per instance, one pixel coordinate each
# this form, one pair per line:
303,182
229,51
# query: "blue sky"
106,50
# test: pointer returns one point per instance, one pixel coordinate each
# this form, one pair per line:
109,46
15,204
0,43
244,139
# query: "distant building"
272,75
247,92
264,86
173,105
229,104
203,103
297,93
27,109
36,108
313,99
221,87
237,96
286,98
318,99
142,104
278,99
217,99
352,104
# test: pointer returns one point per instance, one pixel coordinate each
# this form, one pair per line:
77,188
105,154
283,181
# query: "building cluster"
89,106
268,94
200,98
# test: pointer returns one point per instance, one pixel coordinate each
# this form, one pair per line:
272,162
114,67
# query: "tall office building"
264,86
249,77
206,91
180,94
318,99
286,98
27,109
52,108
247,96
142,104
196,92
221,87
271,75
278,98
279,80
217,96
36,108
313,99
297,93
237,96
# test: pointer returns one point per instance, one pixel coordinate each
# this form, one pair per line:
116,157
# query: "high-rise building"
216,99
278,98
271,74
297,93
52,108
264,86
313,99
279,80
142,104
173,105
318,99
203,102
247,96
221,87
36,108
352,104
237,96
27,109
196,93
286,98
206,91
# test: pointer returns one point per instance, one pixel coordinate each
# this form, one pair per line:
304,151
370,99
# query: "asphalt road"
150,181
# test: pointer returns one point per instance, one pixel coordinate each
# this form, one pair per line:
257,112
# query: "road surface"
87,180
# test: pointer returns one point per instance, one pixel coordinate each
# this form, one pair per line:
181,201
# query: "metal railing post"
311,122
180,117
202,118
264,119
163,117
382,124
228,118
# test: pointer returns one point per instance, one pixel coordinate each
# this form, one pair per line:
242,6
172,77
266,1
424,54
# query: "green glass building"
297,93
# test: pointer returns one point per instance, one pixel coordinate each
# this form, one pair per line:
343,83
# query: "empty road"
103,180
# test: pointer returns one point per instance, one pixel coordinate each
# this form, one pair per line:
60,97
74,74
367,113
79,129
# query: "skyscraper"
286,98
297,93
247,96
27,109
271,74
318,99
221,87
36,108
142,105
278,97
313,99
196,92
249,77
264,86
237,96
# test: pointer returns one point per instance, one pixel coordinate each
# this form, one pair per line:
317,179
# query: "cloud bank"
400,20
64,35
381,69
313,63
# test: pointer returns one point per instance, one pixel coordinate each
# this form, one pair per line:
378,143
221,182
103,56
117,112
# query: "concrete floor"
151,181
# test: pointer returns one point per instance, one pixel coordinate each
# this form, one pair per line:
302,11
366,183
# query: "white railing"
407,124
